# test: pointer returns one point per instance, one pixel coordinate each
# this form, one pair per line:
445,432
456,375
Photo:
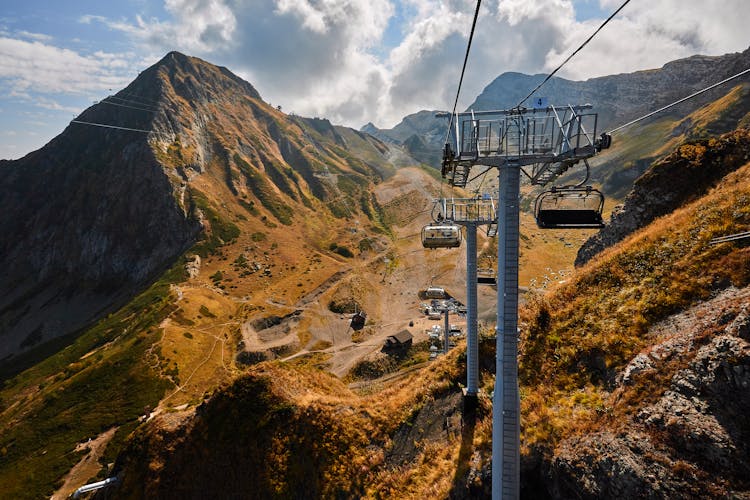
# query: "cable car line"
155,105
126,106
480,174
463,69
694,94
573,54
111,126
445,233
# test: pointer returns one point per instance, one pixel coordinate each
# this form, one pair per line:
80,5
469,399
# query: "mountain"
231,368
417,133
616,98
633,373
98,213
145,269
620,98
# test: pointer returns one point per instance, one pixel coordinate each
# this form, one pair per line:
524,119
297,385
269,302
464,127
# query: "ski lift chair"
577,207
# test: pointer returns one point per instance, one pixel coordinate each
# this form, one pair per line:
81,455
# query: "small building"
400,340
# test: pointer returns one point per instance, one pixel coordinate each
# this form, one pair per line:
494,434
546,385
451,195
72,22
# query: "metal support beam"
472,341
505,413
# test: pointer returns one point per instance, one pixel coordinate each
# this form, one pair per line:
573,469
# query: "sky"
351,61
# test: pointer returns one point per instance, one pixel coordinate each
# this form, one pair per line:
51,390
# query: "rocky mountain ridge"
616,98
111,209
678,178
691,440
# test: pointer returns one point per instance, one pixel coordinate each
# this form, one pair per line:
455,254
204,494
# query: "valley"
233,244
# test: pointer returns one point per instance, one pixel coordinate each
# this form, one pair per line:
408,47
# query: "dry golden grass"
196,348
585,330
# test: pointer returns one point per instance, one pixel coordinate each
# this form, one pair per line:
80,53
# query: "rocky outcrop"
689,439
678,178
86,221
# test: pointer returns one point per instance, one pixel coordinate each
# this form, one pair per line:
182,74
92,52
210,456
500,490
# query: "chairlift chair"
486,277
569,207
444,234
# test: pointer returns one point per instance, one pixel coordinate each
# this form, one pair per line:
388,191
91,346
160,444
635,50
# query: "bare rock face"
87,221
690,441
679,178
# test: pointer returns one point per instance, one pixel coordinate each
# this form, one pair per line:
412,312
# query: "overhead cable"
111,126
730,237
127,106
573,54
463,69
136,98
694,94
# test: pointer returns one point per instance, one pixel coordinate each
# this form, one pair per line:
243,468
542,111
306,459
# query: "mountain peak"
190,78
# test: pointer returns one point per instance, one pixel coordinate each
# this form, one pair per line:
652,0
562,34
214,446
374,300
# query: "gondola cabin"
441,235
435,292
569,208
358,320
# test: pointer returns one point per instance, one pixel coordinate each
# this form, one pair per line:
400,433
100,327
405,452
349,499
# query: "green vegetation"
249,206
206,312
341,250
102,380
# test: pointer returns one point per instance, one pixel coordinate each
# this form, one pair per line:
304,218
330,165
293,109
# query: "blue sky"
352,61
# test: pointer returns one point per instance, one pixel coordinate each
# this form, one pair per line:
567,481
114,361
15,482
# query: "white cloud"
314,57
198,26
646,35
39,37
88,19
323,57
37,67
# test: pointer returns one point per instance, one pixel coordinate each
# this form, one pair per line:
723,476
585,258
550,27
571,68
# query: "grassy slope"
577,337
285,429
104,379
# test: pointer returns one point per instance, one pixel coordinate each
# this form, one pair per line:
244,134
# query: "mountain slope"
636,368
680,177
226,213
110,209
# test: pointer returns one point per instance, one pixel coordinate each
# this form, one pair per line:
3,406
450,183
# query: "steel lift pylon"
470,213
542,143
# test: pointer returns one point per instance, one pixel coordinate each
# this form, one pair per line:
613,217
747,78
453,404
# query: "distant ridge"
616,98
